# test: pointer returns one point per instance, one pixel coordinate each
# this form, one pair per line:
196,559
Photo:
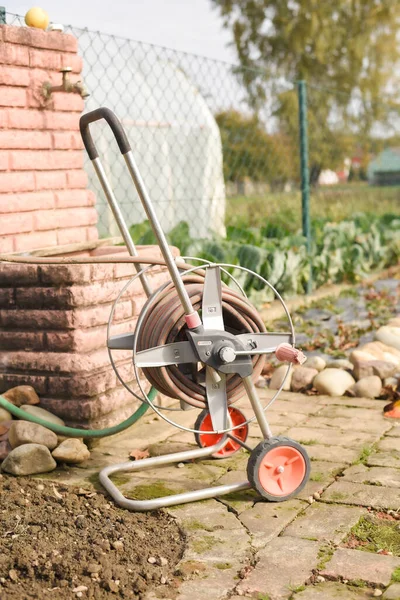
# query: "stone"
278,376
376,496
261,382
392,382
355,565
381,476
325,522
302,378
367,387
29,459
25,432
389,335
334,590
333,382
392,592
4,415
37,411
340,363
22,394
383,368
5,449
276,571
316,362
71,451
375,351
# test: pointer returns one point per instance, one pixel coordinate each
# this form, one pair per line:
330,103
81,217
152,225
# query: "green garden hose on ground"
73,431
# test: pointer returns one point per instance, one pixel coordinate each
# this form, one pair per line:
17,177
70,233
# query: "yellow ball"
37,17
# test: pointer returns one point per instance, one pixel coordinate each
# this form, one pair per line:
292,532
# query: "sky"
190,25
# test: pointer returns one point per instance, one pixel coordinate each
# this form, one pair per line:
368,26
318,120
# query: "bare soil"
61,543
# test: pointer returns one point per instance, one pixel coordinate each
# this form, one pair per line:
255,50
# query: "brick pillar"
43,196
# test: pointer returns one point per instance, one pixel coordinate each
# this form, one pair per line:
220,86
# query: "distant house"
385,168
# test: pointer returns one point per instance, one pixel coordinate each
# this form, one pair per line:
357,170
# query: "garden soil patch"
61,543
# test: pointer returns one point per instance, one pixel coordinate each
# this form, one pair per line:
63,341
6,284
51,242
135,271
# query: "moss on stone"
376,534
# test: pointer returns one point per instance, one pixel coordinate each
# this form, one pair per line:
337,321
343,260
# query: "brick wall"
53,332
43,196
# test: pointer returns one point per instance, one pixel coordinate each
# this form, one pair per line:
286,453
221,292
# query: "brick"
63,121
9,380
7,298
67,141
73,61
15,223
68,101
14,76
12,96
60,275
46,59
73,235
57,362
40,298
25,119
64,218
51,40
71,198
17,182
92,234
32,241
77,178
29,341
358,565
6,244
11,273
36,319
4,160
3,118
76,386
25,139
99,315
25,160
50,180
11,54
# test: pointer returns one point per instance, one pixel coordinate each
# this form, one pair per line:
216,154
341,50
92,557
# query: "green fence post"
305,178
2,15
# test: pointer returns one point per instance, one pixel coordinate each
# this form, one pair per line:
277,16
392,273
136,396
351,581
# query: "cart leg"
257,407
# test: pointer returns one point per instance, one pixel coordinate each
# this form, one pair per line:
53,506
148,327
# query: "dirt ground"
59,542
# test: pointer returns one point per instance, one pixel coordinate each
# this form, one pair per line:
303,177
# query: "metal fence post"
2,15
305,178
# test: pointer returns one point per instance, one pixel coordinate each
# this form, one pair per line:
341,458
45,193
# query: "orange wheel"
204,424
278,468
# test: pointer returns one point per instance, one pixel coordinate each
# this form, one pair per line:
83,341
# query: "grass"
375,534
325,554
317,476
334,203
223,566
365,454
148,491
396,575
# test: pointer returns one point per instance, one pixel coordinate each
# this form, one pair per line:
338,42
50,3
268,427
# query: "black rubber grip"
114,123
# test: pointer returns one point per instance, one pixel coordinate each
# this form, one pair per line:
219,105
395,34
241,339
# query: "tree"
346,50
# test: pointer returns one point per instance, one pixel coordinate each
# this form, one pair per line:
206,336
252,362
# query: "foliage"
372,534
344,251
249,151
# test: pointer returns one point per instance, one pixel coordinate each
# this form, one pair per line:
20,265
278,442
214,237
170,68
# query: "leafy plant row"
345,251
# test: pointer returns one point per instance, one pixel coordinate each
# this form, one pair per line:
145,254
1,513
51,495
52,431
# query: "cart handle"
114,123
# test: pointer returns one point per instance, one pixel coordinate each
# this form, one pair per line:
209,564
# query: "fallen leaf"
137,454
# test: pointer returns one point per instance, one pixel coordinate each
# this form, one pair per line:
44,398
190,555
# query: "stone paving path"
240,547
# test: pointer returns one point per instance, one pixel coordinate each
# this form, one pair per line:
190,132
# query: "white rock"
71,451
302,378
389,335
340,363
5,415
25,432
278,376
333,382
42,414
367,387
316,362
29,459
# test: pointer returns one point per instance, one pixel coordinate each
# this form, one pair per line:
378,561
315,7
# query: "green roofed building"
385,168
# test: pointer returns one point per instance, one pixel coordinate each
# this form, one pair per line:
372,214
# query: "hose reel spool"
202,343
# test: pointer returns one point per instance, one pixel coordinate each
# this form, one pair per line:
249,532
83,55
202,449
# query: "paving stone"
212,516
218,546
265,520
384,459
345,492
370,424
325,522
285,563
323,471
385,476
211,584
351,402
389,444
395,429
334,590
392,592
325,453
362,414
356,564
334,437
